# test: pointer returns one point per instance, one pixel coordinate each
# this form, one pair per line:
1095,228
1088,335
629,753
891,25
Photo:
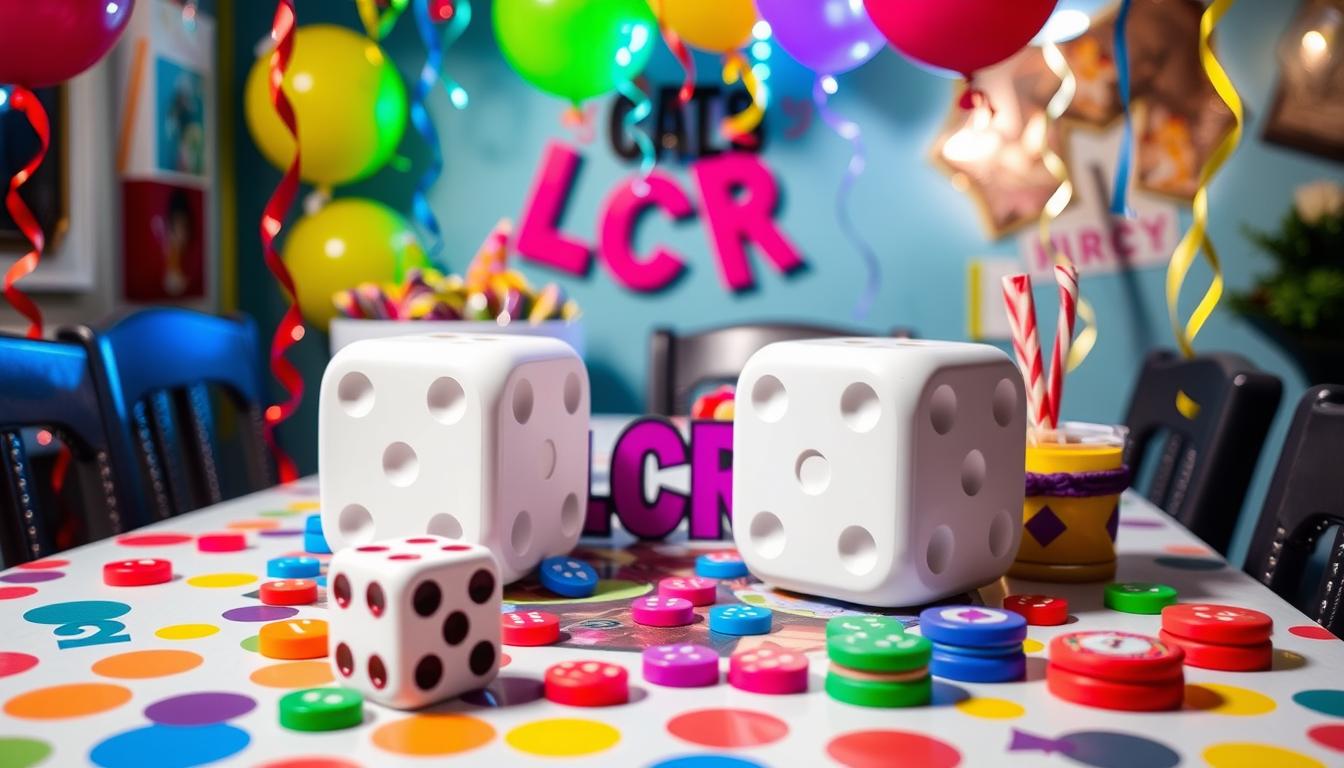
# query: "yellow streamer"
1085,338
1196,238
736,67
377,25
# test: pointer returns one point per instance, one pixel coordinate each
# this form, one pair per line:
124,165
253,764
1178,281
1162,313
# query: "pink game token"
681,666
662,611
697,589
221,542
767,670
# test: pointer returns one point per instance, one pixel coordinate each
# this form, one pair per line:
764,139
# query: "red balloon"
44,42
960,35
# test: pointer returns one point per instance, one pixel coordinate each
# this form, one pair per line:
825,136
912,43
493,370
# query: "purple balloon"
826,36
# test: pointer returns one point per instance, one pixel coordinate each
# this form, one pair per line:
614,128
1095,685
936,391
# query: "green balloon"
575,48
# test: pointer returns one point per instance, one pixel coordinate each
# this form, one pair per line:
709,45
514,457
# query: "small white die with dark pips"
414,621
885,472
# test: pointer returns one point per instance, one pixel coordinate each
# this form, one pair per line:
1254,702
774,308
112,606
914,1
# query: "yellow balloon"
719,26
349,101
348,242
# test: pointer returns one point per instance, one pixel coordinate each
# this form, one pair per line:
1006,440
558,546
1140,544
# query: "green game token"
841,625
321,709
1139,597
888,650
869,693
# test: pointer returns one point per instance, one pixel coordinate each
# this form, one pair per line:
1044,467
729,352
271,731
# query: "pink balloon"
960,35
45,42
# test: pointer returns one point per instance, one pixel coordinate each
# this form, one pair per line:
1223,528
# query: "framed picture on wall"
1308,108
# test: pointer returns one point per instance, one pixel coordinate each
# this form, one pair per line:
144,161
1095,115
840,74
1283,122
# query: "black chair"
1207,418
679,365
50,415
1306,499
159,368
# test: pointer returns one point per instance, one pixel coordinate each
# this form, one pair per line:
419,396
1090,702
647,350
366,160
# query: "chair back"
50,413
1206,418
160,368
679,365
1306,499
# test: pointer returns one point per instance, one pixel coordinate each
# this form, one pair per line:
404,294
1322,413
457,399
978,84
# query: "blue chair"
49,404
159,368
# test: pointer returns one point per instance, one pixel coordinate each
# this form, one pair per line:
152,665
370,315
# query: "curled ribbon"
849,130
378,23
683,55
641,108
290,329
738,128
1196,238
26,101
424,125
1120,193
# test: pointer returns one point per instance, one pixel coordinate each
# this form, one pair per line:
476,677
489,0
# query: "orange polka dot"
61,701
142,664
294,674
1186,549
444,734
260,524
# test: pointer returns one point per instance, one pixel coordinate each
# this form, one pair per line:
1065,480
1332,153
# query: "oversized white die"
483,438
886,472
415,620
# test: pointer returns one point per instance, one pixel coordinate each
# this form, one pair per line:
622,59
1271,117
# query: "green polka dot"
1323,700
22,753
250,644
279,513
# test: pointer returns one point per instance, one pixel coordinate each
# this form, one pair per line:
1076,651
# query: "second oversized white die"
886,472
477,437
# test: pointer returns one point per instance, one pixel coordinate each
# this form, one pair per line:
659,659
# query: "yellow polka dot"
186,631
563,737
1227,700
1247,755
1032,646
304,506
991,709
219,580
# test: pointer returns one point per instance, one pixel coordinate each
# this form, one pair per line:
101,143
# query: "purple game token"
681,666
654,611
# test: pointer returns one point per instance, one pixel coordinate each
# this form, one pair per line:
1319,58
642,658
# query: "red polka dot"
1312,632
875,749
1328,736
154,539
39,565
14,663
14,593
309,762
727,728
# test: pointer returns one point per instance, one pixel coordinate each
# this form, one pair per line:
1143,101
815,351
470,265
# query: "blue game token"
568,577
739,619
983,651
977,669
314,541
293,568
972,625
721,565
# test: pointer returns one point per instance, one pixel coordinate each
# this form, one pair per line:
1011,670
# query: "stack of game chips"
974,643
875,663
314,542
1220,637
1116,670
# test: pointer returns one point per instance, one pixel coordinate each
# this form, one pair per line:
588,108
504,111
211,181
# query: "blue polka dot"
1190,563
169,746
707,761
1323,700
79,610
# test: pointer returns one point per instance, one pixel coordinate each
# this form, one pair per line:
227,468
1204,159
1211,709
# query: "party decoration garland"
378,23
849,130
1120,192
290,329
1196,238
26,101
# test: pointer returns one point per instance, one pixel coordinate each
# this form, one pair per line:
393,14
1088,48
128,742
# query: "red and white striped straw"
1021,308
1066,275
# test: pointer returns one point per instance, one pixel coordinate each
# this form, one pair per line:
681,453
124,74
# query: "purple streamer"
849,130
1078,485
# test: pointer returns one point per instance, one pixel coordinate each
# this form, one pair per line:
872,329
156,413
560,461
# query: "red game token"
587,683
529,628
221,542
697,589
767,670
289,592
1038,610
137,573
1228,658
1219,624
1108,694
1119,656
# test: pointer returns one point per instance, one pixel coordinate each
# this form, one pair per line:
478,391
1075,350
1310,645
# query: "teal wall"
924,230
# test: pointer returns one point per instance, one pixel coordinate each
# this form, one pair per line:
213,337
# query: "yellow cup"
1071,538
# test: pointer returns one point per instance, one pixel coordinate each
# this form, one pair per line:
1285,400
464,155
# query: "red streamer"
290,329
683,55
25,101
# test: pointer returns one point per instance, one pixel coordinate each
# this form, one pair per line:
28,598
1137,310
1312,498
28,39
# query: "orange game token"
1038,610
293,639
1119,656
137,573
221,542
289,592
1154,696
1220,624
1228,658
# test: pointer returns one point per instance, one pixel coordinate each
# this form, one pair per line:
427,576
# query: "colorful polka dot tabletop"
174,673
